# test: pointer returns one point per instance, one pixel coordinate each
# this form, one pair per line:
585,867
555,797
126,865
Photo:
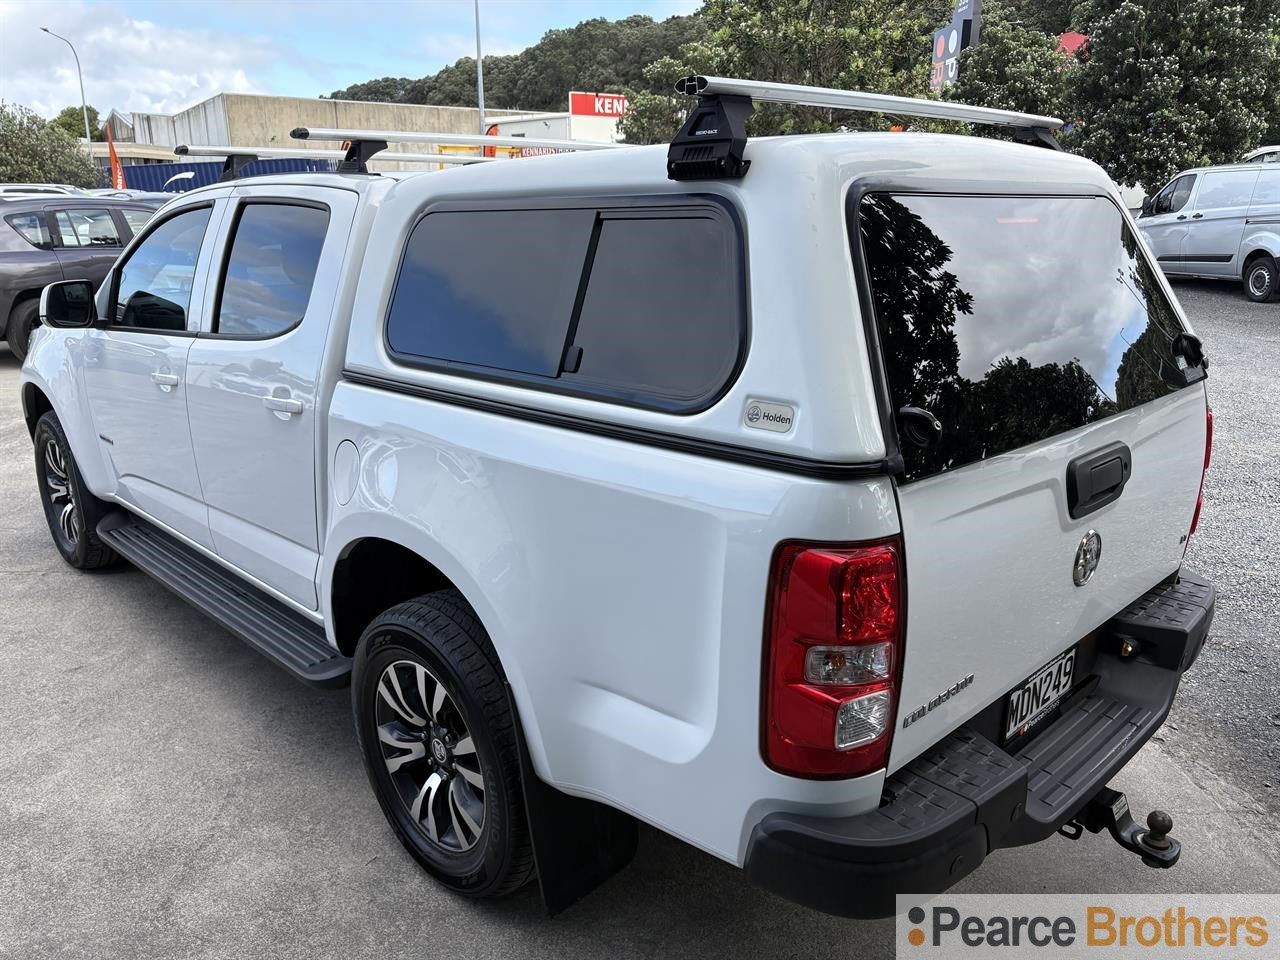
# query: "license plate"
1040,694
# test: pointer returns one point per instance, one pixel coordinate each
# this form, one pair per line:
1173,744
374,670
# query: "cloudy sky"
163,55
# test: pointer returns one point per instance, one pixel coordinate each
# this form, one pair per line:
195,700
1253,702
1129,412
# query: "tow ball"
1109,810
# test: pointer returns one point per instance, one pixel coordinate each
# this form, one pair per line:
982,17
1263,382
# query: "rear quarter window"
32,228
641,305
1012,319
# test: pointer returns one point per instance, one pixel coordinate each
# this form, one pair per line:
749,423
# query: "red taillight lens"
834,653
1208,455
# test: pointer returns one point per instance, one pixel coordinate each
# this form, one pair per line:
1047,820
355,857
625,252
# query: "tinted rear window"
1013,319
490,288
637,305
658,318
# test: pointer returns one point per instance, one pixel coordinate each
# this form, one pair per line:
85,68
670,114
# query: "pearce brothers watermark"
1102,925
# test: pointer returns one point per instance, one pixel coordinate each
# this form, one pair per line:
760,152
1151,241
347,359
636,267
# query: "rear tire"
1262,280
73,513
438,737
24,318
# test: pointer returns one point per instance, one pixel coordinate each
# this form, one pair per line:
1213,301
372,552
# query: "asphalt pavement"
165,792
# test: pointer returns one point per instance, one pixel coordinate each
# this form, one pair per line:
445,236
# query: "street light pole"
84,106
479,71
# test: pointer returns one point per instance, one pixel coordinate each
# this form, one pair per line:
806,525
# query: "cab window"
152,290
275,251
1175,196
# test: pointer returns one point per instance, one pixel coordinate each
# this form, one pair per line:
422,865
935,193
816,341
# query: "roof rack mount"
711,142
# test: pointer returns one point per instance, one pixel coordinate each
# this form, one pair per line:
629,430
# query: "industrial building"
255,120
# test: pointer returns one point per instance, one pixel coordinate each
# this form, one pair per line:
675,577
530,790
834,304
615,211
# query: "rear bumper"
943,813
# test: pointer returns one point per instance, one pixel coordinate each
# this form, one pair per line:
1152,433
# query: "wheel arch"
1251,256
35,404
372,574
19,298
355,588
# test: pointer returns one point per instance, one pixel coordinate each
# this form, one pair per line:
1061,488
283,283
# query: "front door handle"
165,381
1182,216
282,405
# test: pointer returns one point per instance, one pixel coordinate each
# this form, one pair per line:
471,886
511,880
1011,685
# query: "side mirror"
1147,206
68,303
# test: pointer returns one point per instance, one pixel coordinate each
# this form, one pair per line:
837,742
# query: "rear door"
1216,226
1166,226
253,380
1035,332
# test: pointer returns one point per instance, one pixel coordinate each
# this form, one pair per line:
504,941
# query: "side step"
282,635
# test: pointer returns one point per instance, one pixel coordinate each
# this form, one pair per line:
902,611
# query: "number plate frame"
1032,700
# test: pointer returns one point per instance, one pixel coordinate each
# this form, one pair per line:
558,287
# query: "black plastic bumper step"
1067,761
273,629
1161,619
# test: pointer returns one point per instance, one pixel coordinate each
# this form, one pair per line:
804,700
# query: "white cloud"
128,64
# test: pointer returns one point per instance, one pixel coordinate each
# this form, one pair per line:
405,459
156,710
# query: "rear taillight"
834,656
1208,455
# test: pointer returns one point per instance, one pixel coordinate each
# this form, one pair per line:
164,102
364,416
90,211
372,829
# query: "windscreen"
1012,319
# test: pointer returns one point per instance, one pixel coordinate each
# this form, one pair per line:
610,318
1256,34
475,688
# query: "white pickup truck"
828,514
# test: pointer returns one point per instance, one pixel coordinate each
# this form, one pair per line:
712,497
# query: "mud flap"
577,843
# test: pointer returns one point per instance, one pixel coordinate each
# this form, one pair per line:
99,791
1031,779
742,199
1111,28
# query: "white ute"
818,500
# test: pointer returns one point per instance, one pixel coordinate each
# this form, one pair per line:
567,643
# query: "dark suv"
47,238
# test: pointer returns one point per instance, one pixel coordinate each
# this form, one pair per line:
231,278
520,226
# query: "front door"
135,371
1166,226
1218,213
253,381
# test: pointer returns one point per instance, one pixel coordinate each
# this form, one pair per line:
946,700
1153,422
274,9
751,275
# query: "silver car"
1219,222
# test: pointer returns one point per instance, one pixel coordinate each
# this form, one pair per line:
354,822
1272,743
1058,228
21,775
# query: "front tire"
438,737
1262,280
71,510
24,318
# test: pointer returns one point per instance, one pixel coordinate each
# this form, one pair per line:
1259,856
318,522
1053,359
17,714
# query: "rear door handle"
282,405
165,380
1098,478
1196,216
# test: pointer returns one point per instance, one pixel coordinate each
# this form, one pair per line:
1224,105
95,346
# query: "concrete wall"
249,120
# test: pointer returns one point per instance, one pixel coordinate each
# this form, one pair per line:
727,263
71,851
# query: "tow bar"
1109,810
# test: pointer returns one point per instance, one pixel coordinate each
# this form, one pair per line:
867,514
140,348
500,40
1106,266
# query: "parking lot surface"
165,792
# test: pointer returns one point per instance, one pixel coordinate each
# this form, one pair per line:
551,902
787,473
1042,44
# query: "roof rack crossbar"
711,143
446,139
237,158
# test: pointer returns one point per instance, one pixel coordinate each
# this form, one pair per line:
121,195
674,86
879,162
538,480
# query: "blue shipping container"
152,176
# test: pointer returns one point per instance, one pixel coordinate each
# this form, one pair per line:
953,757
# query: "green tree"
879,45
596,55
1169,84
1013,67
71,122
36,151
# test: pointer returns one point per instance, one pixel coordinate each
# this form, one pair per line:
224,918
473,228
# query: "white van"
1219,222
